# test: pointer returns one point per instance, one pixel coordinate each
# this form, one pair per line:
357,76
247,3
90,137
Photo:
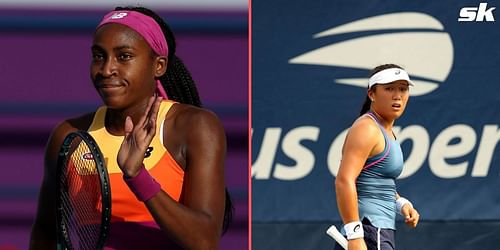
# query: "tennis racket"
83,194
337,236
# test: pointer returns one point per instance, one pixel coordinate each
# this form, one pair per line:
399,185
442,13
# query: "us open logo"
426,54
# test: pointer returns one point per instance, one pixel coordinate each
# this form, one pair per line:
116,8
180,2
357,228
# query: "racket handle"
337,236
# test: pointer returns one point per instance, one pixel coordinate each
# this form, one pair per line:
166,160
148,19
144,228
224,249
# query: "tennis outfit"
132,226
376,190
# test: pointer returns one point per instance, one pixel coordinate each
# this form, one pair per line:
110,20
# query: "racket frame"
62,231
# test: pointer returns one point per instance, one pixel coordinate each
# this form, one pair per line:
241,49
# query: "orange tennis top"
125,207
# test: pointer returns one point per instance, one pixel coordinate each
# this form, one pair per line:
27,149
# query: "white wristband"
400,202
354,230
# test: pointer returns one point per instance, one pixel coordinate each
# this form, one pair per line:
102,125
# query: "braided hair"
180,87
368,101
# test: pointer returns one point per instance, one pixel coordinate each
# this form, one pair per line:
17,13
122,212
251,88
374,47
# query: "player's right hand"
411,215
357,244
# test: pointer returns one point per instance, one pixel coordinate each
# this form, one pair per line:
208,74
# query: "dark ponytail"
178,83
180,87
367,104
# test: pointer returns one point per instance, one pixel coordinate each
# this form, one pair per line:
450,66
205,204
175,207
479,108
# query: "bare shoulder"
56,139
364,130
196,119
73,124
63,129
364,125
201,134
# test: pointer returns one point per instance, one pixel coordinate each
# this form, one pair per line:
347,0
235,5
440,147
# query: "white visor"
389,75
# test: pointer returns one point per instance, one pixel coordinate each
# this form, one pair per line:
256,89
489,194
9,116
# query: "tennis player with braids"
164,153
371,161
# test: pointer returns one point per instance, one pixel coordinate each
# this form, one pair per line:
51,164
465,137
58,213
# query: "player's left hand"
411,215
137,139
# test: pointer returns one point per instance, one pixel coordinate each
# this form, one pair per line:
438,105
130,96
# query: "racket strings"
81,197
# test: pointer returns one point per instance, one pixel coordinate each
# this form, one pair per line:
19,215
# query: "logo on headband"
119,15
397,72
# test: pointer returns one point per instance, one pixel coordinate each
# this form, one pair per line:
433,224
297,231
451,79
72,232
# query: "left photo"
124,125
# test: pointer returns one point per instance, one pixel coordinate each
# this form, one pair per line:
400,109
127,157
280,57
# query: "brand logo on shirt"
149,150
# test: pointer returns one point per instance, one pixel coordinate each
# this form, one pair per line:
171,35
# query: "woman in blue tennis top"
371,161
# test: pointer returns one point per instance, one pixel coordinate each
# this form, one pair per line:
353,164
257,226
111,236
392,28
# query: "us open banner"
311,61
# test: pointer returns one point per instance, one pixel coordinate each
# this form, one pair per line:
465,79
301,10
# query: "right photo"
375,125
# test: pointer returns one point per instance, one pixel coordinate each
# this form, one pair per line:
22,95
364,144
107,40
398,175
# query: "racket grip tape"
143,185
337,236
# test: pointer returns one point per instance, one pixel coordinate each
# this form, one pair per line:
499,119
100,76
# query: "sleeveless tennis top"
132,226
376,185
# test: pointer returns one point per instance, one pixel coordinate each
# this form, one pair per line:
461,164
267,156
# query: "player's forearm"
42,238
42,244
189,228
43,232
347,199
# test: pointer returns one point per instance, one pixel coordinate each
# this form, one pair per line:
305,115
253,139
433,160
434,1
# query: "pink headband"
147,27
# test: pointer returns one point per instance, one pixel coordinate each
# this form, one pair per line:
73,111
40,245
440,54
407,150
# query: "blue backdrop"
310,62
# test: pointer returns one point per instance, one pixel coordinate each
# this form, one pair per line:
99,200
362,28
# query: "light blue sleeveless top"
376,185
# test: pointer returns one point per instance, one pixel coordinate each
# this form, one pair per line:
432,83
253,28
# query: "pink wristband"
144,186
